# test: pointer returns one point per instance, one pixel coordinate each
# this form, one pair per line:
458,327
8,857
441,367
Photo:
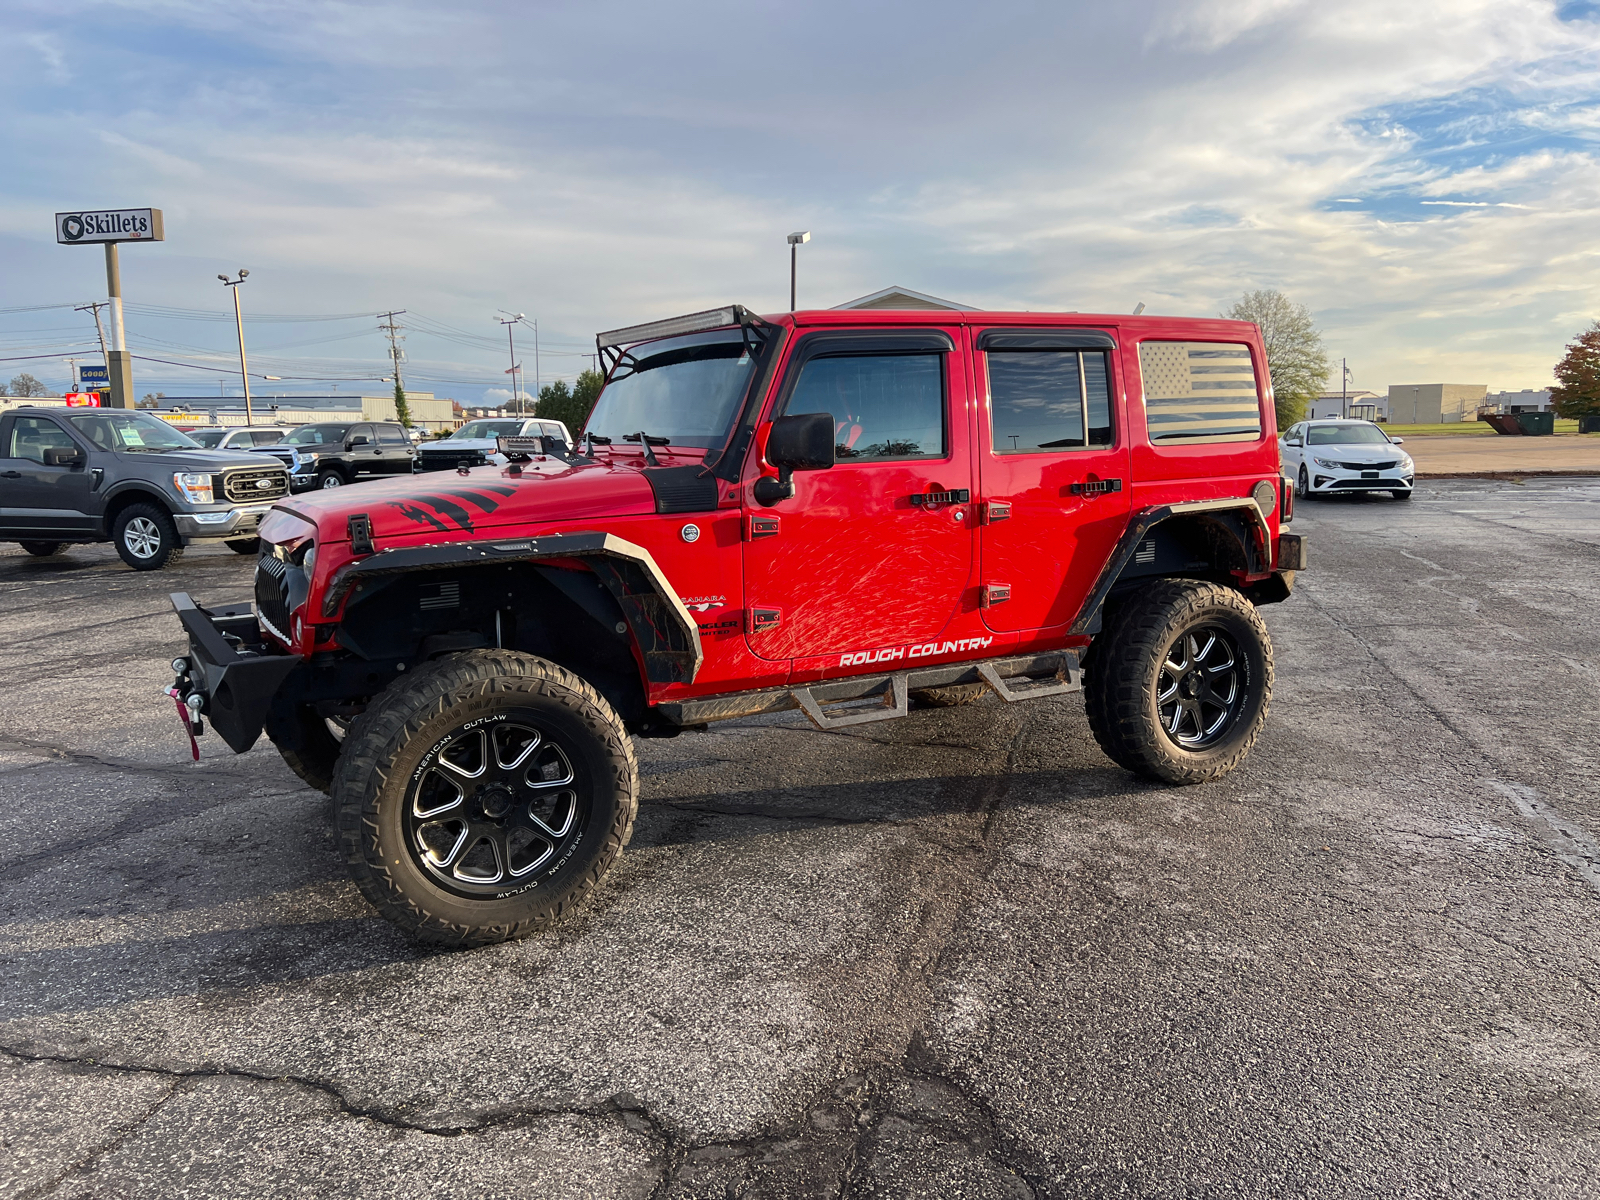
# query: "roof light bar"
712,318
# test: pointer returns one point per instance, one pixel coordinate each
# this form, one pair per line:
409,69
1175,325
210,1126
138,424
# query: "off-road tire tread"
399,713
1115,685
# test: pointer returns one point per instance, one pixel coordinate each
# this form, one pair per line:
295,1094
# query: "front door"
1053,462
36,499
873,552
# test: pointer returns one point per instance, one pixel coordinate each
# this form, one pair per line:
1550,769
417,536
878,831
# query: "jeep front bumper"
230,668
229,523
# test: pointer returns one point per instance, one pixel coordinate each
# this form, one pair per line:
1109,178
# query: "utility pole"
508,321
238,320
397,355
100,329
536,388
73,363
796,240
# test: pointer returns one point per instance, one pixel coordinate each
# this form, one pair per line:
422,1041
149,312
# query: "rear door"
396,447
36,499
861,557
366,459
1053,465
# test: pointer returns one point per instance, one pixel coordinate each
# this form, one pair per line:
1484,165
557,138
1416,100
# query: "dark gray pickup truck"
95,475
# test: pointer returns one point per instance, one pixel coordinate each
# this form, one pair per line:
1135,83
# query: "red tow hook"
188,723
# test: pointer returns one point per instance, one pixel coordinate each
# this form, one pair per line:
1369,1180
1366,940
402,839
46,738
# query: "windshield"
487,429
131,431
209,437
318,435
1346,435
684,389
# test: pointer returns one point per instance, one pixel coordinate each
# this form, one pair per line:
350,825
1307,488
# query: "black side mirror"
354,442
63,456
799,443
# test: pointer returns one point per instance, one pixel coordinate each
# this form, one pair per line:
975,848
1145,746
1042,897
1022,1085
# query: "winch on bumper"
234,681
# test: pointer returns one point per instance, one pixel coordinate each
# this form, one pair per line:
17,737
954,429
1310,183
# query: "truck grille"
267,483
272,594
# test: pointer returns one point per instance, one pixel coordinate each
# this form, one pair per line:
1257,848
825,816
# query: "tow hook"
188,704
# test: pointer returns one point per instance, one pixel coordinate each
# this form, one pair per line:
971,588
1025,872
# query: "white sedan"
1345,456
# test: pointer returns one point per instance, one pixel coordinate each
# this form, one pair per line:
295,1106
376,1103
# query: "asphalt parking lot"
960,955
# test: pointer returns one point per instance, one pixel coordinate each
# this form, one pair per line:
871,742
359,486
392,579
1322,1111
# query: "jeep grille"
242,487
272,594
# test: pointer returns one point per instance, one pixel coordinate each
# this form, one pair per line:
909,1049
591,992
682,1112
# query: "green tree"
1577,390
1295,358
401,408
571,406
27,385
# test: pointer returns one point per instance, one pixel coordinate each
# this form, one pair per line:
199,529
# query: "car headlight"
194,487
1326,462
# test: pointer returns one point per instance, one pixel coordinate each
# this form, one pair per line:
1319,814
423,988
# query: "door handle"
1097,487
923,499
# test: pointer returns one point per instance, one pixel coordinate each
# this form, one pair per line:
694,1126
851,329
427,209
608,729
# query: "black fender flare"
667,637
1255,551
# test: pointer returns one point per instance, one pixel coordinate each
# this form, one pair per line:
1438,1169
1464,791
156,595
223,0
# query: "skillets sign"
109,225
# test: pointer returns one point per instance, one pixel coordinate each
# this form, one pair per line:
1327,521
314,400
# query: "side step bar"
1029,677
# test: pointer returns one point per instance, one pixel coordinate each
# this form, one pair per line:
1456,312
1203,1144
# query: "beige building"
1435,403
427,411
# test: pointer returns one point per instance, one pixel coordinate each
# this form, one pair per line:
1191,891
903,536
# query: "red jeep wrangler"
843,512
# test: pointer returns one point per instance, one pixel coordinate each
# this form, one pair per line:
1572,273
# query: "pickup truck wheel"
329,478
244,545
40,549
146,538
483,797
1180,687
951,696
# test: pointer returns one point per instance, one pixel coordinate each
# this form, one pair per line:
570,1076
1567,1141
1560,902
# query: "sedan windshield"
318,435
131,431
487,429
1346,435
686,390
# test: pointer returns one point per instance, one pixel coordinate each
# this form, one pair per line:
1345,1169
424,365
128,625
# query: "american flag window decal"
1199,392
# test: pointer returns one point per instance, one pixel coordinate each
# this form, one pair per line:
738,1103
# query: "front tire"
1180,687
244,545
1404,494
481,798
145,537
329,478
1303,487
41,549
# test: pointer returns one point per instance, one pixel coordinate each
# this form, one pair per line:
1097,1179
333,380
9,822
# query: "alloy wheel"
491,805
142,537
1200,689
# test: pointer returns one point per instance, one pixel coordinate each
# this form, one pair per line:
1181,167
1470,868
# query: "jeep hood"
451,506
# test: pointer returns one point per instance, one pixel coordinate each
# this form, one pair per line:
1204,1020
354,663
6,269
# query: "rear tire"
449,840
951,696
244,545
41,549
145,537
1179,688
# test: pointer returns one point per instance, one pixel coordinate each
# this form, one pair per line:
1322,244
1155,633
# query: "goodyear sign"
109,225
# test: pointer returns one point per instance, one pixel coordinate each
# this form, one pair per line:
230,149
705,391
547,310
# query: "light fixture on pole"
796,240
508,321
238,320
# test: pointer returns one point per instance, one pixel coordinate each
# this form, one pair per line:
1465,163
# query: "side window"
32,436
363,431
1199,392
267,437
392,435
1043,400
884,406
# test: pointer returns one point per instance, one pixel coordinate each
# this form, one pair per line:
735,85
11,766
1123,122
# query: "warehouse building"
1435,403
427,411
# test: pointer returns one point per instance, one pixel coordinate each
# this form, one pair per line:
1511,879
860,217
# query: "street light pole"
796,240
238,320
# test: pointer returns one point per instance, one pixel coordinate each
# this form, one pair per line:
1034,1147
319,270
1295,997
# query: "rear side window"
1043,400
1199,392
267,437
888,406
392,435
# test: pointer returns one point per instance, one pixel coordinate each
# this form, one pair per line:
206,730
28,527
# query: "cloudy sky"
1425,176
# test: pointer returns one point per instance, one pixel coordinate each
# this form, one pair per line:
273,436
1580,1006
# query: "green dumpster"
1536,423
1589,424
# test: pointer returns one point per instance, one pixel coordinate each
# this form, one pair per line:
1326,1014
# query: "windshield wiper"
646,440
